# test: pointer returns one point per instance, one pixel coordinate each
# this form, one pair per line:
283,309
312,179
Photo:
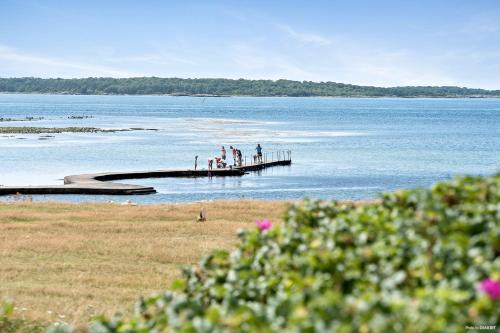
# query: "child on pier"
220,163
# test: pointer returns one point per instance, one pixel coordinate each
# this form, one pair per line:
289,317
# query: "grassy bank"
67,262
422,260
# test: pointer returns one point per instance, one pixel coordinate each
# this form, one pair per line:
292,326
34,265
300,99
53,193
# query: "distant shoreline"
252,96
204,87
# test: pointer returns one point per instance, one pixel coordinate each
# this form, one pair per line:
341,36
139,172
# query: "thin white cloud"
390,68
153,59
51,67
260,63
304,37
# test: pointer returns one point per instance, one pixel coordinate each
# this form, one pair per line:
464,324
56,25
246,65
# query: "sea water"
342,148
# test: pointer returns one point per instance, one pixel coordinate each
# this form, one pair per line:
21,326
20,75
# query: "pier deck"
102,183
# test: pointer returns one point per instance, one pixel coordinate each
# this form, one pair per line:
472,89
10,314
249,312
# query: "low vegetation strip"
56,130
20,119
418,261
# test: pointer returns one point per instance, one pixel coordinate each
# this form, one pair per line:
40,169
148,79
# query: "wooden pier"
102,183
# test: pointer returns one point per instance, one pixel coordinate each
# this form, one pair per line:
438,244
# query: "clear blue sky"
384,43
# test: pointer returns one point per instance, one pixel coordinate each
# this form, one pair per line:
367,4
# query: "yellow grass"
67,262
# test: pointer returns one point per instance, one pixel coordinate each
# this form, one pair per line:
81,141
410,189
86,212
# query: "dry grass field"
67,262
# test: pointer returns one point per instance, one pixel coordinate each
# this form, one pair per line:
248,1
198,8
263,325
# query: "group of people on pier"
220,162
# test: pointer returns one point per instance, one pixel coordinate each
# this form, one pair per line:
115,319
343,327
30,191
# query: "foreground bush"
418,261
8,324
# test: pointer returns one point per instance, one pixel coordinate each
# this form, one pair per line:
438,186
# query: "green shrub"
409,263
6,310
9,324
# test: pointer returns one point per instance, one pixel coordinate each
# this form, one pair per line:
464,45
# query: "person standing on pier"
235,154
195,162
210,163
259,153
240,157
223,153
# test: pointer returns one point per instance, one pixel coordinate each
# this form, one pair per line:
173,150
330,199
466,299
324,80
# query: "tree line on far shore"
225,87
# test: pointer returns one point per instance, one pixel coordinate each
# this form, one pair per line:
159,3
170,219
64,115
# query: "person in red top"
218,163
235,153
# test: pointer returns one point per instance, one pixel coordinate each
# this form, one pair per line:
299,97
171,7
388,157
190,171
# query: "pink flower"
491,287
264,224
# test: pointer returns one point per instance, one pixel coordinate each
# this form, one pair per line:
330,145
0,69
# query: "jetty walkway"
103,183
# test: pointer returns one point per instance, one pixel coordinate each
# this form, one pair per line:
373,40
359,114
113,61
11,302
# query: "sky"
380,43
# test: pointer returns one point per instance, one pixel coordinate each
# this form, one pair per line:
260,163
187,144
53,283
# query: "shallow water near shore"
341,148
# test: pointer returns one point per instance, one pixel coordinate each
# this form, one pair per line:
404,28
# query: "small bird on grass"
203,215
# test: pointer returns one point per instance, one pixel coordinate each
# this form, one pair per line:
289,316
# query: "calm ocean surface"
342,148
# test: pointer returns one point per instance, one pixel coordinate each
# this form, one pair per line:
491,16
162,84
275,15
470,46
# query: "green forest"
225,87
